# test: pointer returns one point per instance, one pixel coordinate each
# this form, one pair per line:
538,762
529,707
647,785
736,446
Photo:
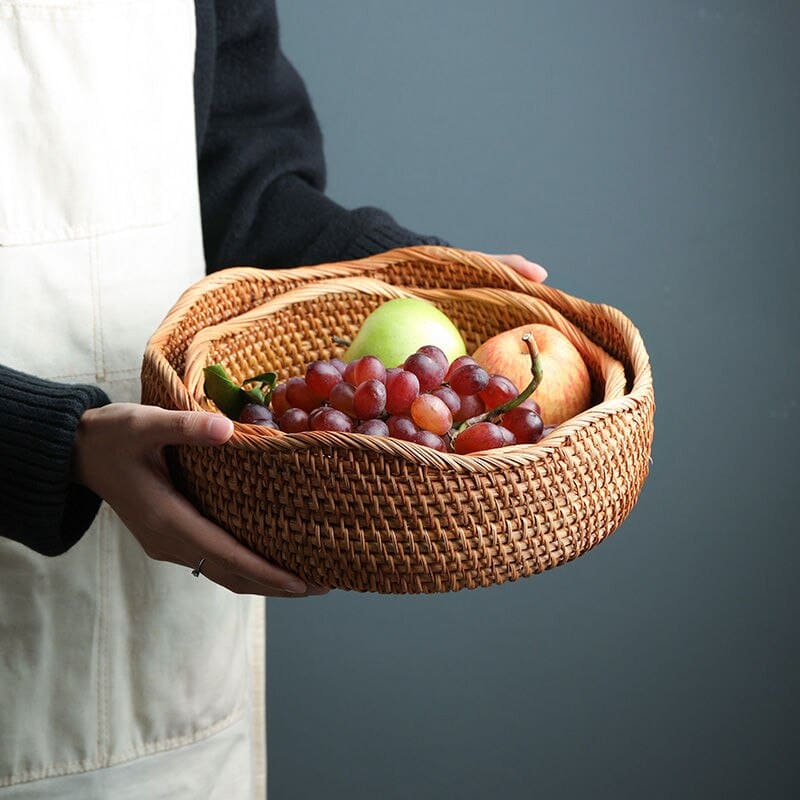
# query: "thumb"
189,427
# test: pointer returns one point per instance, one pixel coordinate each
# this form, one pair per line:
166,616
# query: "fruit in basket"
293,420
482,436
565,389
524,424
373,427
431,414
256,414
369,399
430,401
469,379
329,419
398,328
402,388
321,377
499,390
471,406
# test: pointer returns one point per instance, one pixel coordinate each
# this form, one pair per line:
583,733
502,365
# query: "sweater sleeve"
42,508
261,165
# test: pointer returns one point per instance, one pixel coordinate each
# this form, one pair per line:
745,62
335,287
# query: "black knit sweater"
262,175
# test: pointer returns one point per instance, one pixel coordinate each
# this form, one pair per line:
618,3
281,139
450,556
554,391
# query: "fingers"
240,585
159,427
190,533
520,264
233,583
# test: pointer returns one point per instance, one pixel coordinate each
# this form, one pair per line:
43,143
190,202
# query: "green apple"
397,328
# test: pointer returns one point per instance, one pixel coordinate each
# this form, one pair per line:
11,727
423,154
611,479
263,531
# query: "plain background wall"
645,151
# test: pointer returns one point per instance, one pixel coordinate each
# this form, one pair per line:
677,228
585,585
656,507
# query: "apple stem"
536,372
340,341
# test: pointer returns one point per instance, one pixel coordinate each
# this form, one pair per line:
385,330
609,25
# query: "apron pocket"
90,126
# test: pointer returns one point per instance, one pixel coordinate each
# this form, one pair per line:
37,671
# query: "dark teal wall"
647,153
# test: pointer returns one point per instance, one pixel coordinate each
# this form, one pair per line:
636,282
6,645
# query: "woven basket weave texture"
373,514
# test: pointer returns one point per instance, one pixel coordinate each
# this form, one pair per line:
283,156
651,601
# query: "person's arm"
261,164
42,507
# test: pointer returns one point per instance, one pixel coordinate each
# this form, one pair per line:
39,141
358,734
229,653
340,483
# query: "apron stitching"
107,671
102,645
98,656
97,317
87,764
131,371
21,9
256,641
19,238
177,741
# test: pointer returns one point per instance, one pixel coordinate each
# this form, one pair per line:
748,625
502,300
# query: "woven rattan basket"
375,514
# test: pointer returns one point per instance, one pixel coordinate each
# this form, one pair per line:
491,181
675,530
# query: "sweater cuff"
43,508
376,232
359,233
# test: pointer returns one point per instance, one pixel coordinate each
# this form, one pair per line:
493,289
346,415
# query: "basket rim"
197,350
251,437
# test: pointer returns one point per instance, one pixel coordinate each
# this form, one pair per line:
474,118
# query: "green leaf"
266,383
255,395
228,397
264,377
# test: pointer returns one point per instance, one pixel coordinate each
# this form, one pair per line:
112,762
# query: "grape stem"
536,372
340,341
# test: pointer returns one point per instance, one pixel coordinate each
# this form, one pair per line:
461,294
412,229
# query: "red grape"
341,398
459,362
498,390
547,430
429,440
469,379
313,415
480,436
300,396
349,373
279,401
428,372
431,414
329,419
373,427
526,425
531,405
449,398
321,377
471,406
363,369
339,364
401,389
508,436
294,420
437,354
255,414
369,399
401,427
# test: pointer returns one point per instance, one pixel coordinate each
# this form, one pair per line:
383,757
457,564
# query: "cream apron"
120,677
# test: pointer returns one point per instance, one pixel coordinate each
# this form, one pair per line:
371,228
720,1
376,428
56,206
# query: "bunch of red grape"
423,401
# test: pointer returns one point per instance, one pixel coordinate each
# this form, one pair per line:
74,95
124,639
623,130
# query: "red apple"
566,388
